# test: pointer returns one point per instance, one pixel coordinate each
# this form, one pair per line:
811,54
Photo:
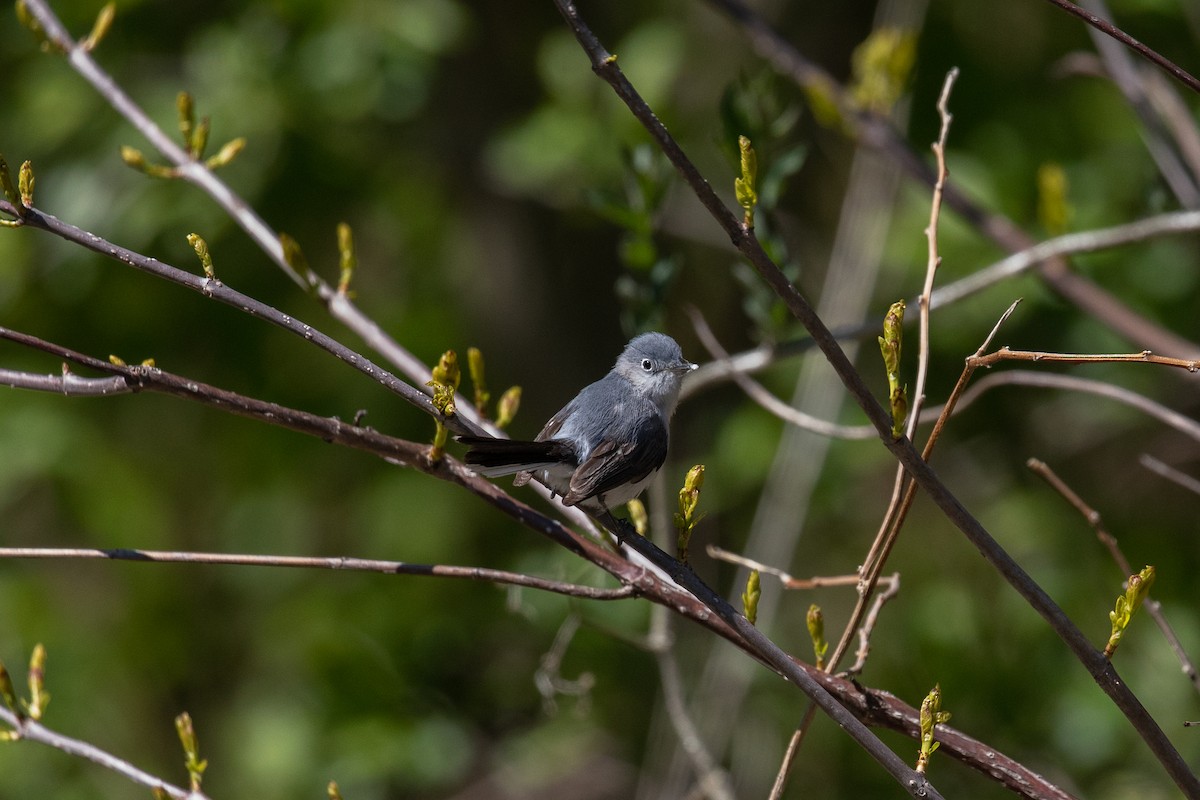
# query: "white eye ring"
647,364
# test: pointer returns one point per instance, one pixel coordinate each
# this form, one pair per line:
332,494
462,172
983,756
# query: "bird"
602,448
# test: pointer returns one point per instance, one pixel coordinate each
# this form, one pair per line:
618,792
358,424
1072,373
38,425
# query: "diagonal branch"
605,66
1107,28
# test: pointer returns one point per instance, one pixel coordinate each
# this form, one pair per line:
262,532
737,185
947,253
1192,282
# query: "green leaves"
750,596
889,346
195,142
33,707
445,379
931,715
815,621
1137,589
744,184
686,518
191,750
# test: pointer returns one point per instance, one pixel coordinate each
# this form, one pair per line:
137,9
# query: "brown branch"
1100,668
877,132
875,708
337,563
1107,28
1093,519
216,290
1144,357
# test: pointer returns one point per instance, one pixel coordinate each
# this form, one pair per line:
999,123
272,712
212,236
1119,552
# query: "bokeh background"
502,198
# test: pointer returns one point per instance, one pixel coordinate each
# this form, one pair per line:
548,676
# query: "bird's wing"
611,464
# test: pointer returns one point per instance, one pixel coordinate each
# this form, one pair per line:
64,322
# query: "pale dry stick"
34,731
1170,473
891,589
1174,223
893,517
763,356
788,580
1020,377
867,578
335,563
604,64
1144,357
1094,520
897,509
759,394
196,173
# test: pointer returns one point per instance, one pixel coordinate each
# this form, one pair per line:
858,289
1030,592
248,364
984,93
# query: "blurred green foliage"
502,197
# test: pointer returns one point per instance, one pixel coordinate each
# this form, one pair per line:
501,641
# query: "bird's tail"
496,457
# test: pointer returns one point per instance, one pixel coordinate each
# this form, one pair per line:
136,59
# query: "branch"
337,563
1175,476
1021,377
1092,517
1101,669
196,173
216,290
877,132
33,731
1175,71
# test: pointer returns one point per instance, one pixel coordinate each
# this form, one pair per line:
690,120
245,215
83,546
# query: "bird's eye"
647,364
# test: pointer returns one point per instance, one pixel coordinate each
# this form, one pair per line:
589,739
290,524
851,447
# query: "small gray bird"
604,446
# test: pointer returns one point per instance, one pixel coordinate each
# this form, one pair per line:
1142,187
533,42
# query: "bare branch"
219,291
1093,519
1177,72
198,174
1175,476
759,394
33,731
1102,670
337,563
877,132
1020,377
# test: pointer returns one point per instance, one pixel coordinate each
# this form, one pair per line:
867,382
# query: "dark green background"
462,141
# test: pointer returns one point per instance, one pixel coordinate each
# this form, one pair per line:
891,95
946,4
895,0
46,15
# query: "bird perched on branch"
603,447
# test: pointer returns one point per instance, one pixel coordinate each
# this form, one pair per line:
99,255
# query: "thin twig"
1170,473
1093,519
891,588
1144,357
219,291
1020,377
759,394
1175,71
1172,223
901,501
33,731
788,581
712,781
337,563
